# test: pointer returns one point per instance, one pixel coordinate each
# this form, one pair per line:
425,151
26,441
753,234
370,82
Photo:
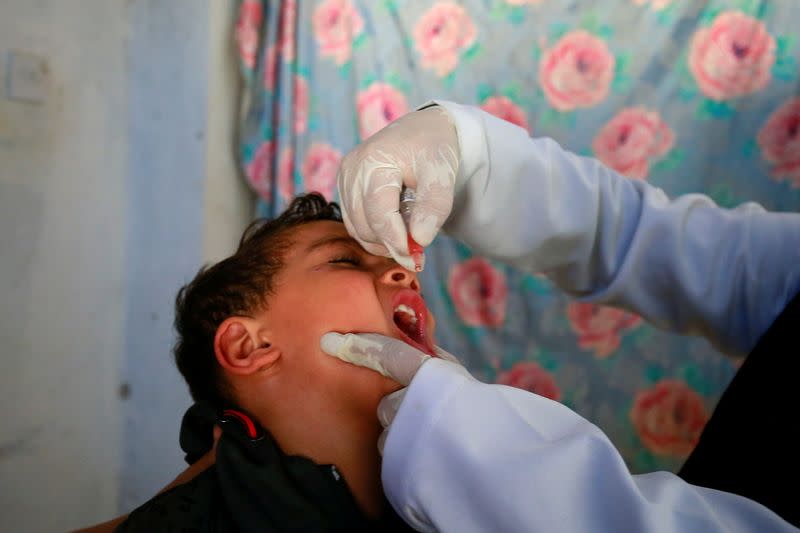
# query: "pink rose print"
286,174
732,57
502,107
479,292
319,169
378,105
247,27
270,63
576,71
657,5
300,104
531,377
599,327
336,23
441,34
779,140
259,170
286,37
631,140
669,418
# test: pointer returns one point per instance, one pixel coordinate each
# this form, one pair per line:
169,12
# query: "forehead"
309,233
308,237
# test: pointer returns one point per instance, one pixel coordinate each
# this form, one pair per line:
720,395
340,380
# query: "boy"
248,346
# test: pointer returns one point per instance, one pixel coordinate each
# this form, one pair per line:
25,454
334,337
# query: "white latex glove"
419,150
391,357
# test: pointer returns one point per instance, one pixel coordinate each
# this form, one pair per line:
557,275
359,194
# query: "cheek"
344,303
349,305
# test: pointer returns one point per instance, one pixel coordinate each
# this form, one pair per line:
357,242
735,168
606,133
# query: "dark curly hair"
238,285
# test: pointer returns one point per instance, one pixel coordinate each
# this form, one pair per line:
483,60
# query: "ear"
242,347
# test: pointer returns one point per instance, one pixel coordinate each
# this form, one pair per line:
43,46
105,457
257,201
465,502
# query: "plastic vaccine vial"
407,197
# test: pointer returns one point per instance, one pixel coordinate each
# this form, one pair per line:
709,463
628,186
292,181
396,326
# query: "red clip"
246,421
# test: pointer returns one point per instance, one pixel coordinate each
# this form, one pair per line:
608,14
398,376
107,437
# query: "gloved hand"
419,150
391,357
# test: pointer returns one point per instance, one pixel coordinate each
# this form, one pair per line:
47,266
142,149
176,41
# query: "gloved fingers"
369,187
447,356
436,177
382,211
389,405
382,441
390,357
351,348
374,249
351,196
419,150
403,259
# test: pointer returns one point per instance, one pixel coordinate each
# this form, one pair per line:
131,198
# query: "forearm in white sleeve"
683,264
464,456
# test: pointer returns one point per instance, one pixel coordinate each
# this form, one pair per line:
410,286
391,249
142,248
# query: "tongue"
405,323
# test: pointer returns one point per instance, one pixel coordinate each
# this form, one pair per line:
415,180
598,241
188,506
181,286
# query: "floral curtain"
692,96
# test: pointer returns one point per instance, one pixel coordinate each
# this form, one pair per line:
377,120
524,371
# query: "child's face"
329,283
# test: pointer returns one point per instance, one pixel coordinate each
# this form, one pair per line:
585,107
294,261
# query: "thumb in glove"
386,355
390,357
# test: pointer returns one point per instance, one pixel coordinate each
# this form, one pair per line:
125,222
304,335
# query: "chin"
378,386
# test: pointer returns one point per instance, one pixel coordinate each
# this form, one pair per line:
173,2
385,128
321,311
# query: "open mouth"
410,316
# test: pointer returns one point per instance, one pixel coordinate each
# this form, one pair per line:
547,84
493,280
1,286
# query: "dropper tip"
416,252
417,261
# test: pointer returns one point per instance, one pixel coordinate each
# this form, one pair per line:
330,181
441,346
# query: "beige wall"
229,202
62,239
113,191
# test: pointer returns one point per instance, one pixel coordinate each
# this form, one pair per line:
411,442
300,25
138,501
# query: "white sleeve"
683,264
465,456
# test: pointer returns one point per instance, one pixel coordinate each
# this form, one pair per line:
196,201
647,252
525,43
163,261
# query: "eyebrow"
330,241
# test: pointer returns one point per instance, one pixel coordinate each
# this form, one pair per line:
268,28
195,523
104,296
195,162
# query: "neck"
350,444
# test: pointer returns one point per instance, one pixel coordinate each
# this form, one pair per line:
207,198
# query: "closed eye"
350,259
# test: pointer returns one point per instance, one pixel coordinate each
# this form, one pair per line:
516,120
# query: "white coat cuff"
435,381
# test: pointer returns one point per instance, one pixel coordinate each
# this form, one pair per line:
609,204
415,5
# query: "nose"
399,276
